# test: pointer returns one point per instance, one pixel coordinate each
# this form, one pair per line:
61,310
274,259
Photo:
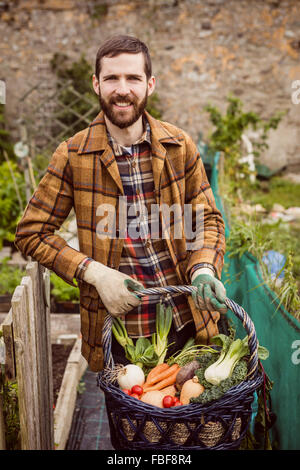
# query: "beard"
119,118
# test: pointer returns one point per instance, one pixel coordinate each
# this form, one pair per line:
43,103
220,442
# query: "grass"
276,190
255,237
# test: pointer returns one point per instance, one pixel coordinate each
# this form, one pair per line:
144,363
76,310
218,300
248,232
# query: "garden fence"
27,356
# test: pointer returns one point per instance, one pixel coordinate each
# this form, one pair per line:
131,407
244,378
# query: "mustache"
122,99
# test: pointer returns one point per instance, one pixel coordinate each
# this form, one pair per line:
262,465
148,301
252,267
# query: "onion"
130,375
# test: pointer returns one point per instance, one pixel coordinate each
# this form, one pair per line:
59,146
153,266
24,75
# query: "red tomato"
137,389
178,403
125,390
175,400
135,395
168,401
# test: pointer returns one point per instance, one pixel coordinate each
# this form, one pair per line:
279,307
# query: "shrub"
10,277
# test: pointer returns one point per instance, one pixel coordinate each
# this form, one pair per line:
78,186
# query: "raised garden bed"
5,303
64,306
60,355
74,367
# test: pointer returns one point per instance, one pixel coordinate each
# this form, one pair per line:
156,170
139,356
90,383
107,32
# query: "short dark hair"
121,44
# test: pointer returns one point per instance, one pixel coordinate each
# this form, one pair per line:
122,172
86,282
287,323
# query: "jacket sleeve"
207,222
47,209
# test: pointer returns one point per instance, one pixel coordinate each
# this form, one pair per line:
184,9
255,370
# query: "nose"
122,88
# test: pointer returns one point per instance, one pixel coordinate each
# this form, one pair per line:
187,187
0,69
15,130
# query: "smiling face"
123,88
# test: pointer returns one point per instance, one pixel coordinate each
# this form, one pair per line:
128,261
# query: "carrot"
170,380
163,375
156,371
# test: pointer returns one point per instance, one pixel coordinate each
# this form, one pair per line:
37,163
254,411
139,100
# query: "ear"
96,84
151,85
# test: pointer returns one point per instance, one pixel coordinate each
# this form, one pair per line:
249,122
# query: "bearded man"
126,154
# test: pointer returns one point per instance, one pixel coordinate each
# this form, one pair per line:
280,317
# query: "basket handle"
240,313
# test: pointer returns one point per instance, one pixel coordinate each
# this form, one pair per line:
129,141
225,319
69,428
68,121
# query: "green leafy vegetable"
142,353
163,325
231,353
215,392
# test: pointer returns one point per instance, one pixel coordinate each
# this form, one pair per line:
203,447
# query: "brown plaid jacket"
83,174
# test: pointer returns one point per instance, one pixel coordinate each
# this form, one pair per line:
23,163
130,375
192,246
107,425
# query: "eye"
134,77
111,77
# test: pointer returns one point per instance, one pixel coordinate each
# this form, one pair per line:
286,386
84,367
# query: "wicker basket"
218,425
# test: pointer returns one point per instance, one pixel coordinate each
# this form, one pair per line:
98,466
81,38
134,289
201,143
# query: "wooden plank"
2,425
49,400
41,286
66,401
8,336
32,356
24,369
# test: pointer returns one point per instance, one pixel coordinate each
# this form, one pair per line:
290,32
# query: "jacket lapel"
109,161
159,136
96,141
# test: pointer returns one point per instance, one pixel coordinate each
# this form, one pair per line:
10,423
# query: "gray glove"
112,288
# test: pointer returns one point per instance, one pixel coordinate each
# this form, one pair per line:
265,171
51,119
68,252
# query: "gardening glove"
111,286
211,293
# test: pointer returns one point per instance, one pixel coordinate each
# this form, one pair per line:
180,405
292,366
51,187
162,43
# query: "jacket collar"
96,139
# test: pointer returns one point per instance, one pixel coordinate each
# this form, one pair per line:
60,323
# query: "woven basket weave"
217,425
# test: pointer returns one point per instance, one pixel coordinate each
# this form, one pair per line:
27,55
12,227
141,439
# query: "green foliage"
256,238
9,395
276,190
9,205
227,138
61,290
10,277
99,12
5,139
288,290
153,106
81,387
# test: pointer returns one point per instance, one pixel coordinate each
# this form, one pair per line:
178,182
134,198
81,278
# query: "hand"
111,286
211,293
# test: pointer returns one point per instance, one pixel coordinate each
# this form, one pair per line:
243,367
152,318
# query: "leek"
163,325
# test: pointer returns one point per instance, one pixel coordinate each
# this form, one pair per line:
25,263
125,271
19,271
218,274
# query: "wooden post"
8,366
23,340
31,324
2,423
2,426
8,337
40,278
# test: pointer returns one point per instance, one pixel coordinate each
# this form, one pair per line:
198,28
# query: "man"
127,155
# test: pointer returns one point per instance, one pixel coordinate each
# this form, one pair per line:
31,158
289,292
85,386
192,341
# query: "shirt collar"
119,149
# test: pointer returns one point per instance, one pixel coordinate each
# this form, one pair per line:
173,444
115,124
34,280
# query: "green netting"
276,329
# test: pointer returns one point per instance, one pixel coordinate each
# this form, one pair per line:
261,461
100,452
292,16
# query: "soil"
60,354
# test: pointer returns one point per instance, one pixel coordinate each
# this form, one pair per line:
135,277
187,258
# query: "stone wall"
201,51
